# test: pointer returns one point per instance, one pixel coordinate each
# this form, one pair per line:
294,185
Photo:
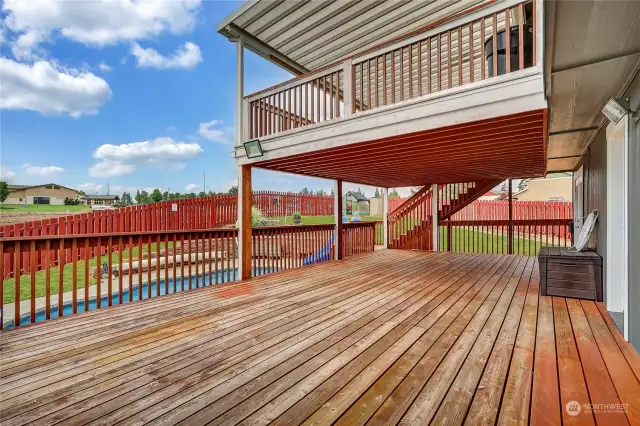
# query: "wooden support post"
385,216
244,222
434,215
510,230
337,211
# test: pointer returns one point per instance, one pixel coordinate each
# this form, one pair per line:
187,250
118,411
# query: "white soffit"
305,35
593,48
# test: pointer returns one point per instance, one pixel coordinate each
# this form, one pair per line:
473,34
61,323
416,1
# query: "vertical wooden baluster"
331,95
166,263
318,100
130,260
494,42
149,243
482,52
471,53
370,105
2,284
120,268
384,79
338,94
306,104
189,237
393,77
439,60
521,36
459,56
268,107
17,255
158,247
210,260
140,268
429,65
32,269
410,73
507,17
288,111
449,61
215,253
401,69
535,31
110,266
183,252
420,68
251,104
376,83
61,263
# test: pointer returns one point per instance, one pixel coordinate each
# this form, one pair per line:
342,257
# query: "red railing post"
510,228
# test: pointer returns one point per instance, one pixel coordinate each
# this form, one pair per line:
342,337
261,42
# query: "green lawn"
67,276
40,208
466,240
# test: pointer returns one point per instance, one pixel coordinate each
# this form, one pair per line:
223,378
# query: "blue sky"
124,94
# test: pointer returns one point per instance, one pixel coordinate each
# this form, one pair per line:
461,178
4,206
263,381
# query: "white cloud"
90,188
165,153
27,45
104,67
187,56
110,169
100,22
6,174
192,187
42,170
48,88
210,132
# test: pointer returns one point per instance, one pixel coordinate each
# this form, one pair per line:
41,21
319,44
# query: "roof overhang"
305,35
592,54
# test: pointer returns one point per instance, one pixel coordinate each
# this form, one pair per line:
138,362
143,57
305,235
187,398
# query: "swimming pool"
181,284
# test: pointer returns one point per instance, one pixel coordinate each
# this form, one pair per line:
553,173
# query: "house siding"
634,214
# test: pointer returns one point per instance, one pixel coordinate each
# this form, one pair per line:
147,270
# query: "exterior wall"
546,189
634,214
377,207
56,196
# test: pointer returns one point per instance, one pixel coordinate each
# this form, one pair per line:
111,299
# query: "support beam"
244,222
385,216
244,175
510,229
435,218
337,212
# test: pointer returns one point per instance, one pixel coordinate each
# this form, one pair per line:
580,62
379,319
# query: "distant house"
554,187
355,201
48,193
490,195
100,200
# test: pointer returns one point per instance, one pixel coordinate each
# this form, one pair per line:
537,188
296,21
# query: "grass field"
67,276
465,240
40,208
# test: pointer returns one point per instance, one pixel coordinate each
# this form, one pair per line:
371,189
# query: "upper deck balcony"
440,76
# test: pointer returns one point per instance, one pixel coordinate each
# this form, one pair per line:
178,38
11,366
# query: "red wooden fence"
499,209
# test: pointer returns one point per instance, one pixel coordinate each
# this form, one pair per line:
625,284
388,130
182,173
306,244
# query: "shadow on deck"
395,335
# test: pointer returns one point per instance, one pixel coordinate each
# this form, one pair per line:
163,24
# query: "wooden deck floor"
391,337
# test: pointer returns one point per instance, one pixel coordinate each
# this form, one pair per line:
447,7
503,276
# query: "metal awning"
304,35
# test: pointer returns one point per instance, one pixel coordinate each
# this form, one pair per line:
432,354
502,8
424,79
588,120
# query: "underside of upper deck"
393,336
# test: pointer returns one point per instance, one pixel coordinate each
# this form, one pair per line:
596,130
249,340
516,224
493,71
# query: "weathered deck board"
391,337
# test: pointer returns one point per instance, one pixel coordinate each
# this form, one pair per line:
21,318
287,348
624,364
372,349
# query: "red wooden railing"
358,238
276,248
493,236
127,267
410,226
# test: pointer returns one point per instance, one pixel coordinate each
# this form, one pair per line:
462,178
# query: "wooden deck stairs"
410,225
